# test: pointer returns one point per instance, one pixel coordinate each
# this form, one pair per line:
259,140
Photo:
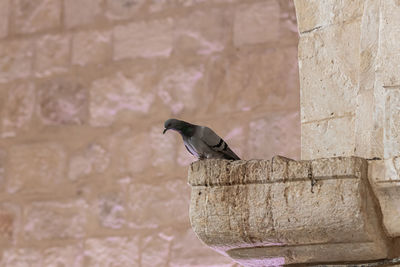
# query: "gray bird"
201,141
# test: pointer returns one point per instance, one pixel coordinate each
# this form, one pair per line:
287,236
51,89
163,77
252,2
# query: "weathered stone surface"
52,55
350,91
313,14
63,256
63,101
391,139
91,47
93,159
123,9
112,251
369,136
328,63
166,201
328,138
23,173
203,33
81,12
389,32
384,176
4,11
15,59
19,257
252,26
18,109
143,40
32,16
120,92
155,251
251,216
111,210
55,220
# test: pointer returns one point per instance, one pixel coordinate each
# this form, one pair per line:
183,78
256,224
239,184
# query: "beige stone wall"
86,177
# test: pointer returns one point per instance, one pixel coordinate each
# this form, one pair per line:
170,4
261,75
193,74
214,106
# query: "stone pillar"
349,77
349,64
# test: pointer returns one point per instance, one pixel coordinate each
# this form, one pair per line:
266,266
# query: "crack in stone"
312,178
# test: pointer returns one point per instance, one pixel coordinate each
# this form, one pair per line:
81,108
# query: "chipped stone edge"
278,169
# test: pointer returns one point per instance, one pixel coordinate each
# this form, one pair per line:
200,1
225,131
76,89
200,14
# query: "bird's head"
182,127
172,124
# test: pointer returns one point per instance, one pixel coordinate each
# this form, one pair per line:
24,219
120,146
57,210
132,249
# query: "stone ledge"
261,212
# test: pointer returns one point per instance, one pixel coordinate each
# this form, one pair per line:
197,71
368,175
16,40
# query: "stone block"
45,220
203,32
111,211
168,202
91,47
143,40
18,109
52,55
62,101
112,251
389,32
33,16
252,26
93,159
81,12
180,88
23,173
123,9
284,219
63,256
15,60
130,151
328,138
21,257
313,14
116,93
155,251
253,82
4,17
328,64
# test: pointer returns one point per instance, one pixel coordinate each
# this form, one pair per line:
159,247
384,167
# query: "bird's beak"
166,129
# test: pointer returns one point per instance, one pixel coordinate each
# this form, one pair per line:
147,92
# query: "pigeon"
201,141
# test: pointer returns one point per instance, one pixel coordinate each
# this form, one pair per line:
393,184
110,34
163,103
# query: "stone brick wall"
86,177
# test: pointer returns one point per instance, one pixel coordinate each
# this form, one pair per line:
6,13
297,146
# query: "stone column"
350,78
349,63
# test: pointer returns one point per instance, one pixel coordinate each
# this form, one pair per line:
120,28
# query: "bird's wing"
216,143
